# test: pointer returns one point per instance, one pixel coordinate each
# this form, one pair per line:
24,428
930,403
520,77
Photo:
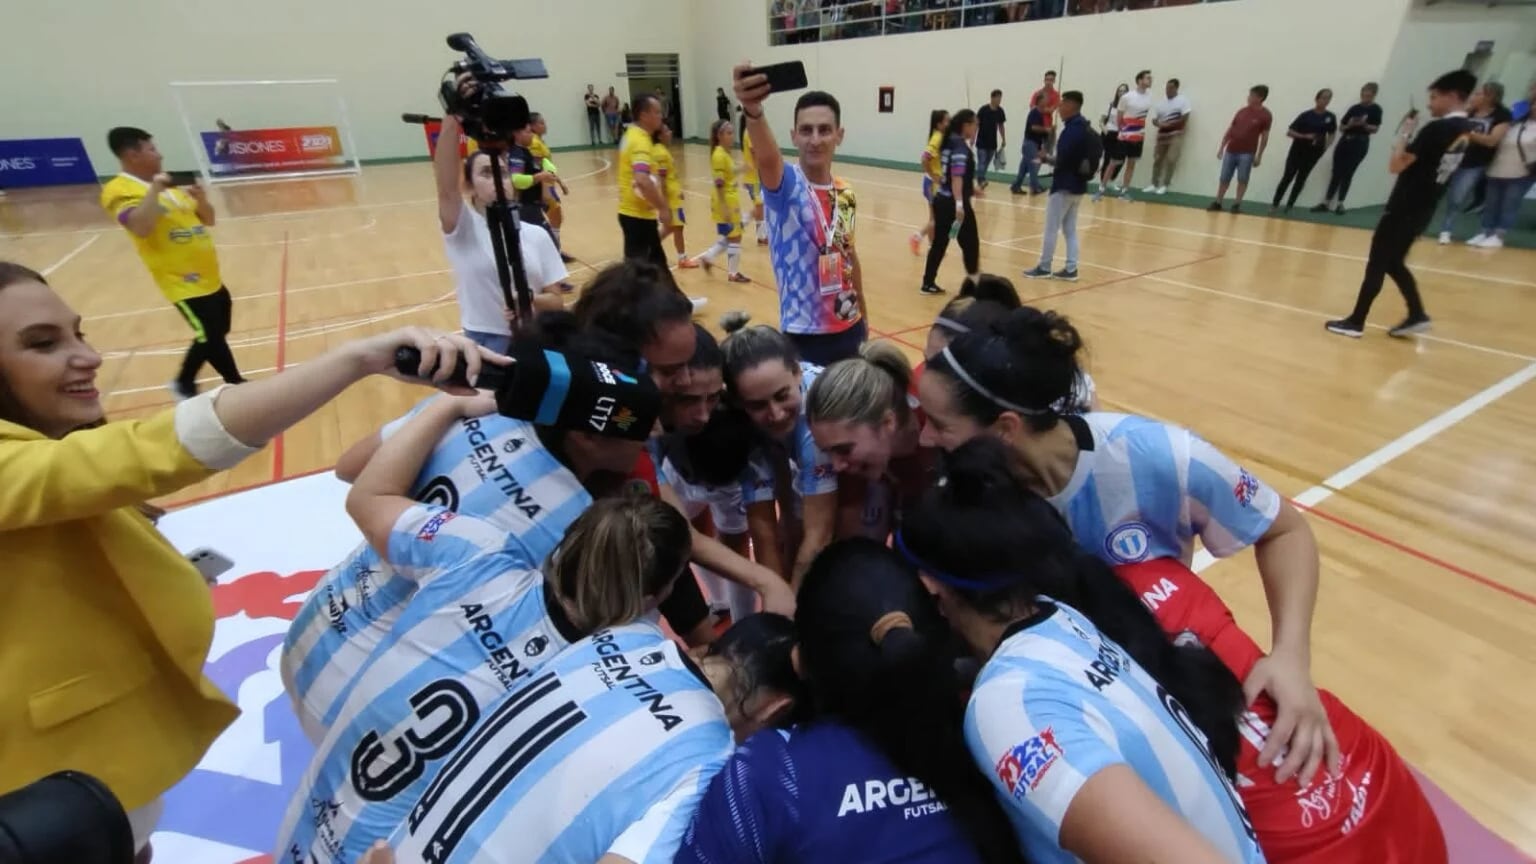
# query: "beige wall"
79,68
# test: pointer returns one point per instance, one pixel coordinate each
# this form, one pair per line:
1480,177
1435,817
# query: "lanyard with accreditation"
829,264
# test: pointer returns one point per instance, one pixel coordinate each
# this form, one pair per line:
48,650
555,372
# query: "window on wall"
792,22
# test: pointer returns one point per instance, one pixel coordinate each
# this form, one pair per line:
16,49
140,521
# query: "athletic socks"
733,257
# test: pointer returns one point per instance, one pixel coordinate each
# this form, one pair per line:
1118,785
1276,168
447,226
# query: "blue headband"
948,578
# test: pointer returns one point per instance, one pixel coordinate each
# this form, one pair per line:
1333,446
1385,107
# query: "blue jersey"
607,750
810,469
476,628
490,467
811,242
1144,489
822,794
1057,703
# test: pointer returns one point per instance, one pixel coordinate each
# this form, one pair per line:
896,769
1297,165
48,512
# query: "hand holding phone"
183,178
753,84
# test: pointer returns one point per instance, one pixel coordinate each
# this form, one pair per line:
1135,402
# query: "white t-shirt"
474,270
1507,163
1134,108
1170,110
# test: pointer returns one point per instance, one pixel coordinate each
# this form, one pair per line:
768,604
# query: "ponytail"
877,656
982,525
615,555
861,389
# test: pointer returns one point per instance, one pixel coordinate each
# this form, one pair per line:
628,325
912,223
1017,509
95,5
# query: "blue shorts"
1240,164
728,230
679,218
751,191
927,188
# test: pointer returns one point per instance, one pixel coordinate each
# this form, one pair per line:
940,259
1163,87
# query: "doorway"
653,73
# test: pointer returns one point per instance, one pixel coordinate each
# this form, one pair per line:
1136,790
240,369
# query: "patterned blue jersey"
490,467
810,237
822,794
476,628
1057,703
810,469
1146,489
608,749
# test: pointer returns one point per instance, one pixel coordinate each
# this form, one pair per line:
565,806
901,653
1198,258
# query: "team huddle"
775,609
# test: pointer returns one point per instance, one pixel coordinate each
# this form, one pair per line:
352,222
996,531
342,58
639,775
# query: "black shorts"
1112,151
642,239
1131,149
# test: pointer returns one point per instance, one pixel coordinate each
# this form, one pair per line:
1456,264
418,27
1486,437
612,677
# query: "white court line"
149,310
1209,236
1363,467
48,271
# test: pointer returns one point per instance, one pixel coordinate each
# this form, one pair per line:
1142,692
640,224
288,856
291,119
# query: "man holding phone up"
810,220
169,225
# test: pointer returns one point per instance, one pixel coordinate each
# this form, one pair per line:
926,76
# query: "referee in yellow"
641,199
169,225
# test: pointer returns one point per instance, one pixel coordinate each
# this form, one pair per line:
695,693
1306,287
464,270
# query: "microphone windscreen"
572,392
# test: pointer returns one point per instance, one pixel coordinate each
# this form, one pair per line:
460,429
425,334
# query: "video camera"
492,113
64,818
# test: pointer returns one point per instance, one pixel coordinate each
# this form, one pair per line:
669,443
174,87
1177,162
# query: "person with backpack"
1078,154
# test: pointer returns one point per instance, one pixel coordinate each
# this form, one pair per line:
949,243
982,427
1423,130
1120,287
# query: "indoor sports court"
1412,458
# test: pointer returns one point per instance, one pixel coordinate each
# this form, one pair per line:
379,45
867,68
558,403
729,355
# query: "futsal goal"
243,131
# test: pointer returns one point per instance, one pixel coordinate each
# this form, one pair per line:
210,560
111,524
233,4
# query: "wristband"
751,116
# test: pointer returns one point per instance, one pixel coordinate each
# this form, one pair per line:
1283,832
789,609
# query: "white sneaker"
1478,240
1445,238
698,303
1162,190
1494,242
1150,189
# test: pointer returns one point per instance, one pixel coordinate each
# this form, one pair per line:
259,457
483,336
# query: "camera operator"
106,627
483,311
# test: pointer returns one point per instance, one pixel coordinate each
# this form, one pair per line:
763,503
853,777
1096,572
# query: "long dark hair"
959,120
11,411
759,649
875,655
936,118
982,524
631,300
1025,363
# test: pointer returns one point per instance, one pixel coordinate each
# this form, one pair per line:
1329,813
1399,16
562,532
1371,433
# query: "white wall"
1216,50
1433,40
79,68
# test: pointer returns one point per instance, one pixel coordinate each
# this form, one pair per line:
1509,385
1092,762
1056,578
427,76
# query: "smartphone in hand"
210,564
183,178
782,77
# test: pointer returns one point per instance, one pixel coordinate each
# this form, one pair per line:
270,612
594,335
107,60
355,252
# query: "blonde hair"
619,552
861,389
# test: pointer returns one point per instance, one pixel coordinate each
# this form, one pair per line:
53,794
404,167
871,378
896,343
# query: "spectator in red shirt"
1373,811
1052,98
1242,148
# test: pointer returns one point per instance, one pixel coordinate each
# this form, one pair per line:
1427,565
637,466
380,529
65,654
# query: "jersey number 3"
444,711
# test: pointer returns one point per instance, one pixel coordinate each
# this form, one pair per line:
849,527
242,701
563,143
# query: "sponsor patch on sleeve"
1022,768
434,525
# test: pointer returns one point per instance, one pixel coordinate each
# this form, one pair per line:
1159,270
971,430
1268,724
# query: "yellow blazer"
104,626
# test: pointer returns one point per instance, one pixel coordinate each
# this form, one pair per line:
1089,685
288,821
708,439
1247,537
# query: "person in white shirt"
1172,116
1134,107
483,310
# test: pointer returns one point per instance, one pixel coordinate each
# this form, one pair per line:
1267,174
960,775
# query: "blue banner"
44,162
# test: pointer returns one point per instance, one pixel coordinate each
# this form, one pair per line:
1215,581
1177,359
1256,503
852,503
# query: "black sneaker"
1038,273
567,258
931,288
1410,326
1321,208
182,391
1064,273
1346,327
1237,208
1339,210
1215,207
1015,190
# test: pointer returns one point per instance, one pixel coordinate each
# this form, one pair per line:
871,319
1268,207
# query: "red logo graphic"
1022,768
434,525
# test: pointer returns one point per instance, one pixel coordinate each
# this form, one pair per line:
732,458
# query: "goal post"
244,131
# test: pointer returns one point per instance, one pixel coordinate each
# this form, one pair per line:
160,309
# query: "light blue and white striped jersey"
477,628
608,749
493,468
1144,489
810,468
1057,703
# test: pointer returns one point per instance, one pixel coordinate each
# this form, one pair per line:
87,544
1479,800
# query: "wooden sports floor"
1413,458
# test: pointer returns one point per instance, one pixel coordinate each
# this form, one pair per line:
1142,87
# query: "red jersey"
1375,811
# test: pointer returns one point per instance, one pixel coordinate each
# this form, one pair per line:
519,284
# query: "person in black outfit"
722,104
1422,167
1311,133
528,178
991,137
1360,122
594,115
952,213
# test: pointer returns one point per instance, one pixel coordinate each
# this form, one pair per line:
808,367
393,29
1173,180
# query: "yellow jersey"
749,164
635,163
179,251
935,141
666,172
724,204
539,149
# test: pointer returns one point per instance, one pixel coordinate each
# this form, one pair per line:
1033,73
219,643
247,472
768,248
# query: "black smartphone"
783,77
183,178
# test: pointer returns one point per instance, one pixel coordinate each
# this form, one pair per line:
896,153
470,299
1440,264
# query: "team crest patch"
1246,487
1023,767
434,525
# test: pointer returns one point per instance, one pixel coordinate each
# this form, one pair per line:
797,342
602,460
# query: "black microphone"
561,390
419,119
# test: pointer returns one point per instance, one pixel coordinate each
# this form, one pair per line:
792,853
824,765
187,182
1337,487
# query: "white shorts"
724,502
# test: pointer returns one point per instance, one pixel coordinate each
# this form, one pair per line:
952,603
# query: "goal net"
267,130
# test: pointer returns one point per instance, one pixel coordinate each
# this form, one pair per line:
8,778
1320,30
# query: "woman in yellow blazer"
104,626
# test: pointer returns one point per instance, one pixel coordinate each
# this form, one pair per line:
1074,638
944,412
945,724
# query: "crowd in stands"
792,22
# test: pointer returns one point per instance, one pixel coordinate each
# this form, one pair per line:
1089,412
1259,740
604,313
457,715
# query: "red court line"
282,350
1415,553
905,330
